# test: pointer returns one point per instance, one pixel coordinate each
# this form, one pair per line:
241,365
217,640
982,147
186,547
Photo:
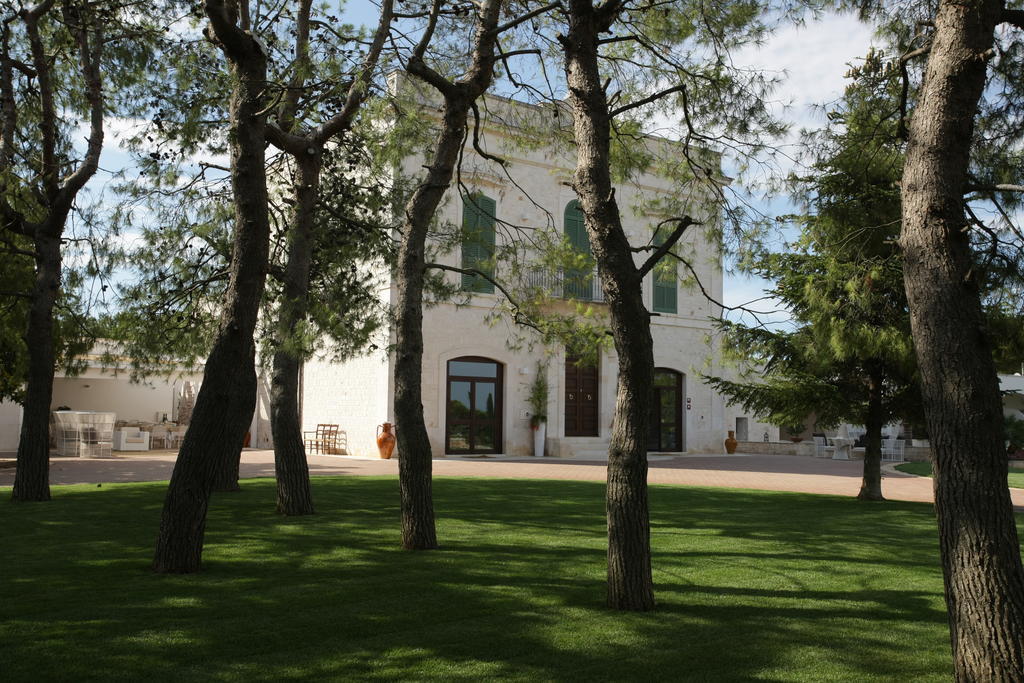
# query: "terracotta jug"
730,442
385,441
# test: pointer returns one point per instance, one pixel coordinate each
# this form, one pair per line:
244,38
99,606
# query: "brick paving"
762,472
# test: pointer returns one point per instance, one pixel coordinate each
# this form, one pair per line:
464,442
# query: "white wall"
10,426
450,334
353,395
116,394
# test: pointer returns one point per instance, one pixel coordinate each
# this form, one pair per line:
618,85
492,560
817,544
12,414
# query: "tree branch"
239,44
290,100
647,100
89,62
526,17
517,310
995,188
359,89
47,112
682,224
476,137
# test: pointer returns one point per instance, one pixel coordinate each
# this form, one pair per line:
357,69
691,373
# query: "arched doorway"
473,412
666,431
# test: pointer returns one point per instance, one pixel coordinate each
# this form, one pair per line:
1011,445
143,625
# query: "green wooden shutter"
577,282
664,280
575,229
478,213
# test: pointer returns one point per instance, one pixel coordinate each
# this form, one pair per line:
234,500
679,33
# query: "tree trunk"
630,586
414,462
32,476
225,473
227,397
294,495
414,456
871,483
984,579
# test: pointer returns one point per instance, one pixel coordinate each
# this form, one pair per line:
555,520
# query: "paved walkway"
763,472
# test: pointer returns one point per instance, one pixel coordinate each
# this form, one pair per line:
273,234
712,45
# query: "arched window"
579,282
664,278
473,413
478,212
666,429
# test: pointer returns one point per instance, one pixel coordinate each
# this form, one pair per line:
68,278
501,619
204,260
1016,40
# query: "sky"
812,58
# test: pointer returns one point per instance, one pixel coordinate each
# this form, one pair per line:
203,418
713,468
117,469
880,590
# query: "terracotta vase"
730,442
385,441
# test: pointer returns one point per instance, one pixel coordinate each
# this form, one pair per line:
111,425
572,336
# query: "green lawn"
924,469
751,586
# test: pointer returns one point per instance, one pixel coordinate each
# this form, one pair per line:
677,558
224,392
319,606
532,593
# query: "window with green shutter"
664,279
578,282
478,213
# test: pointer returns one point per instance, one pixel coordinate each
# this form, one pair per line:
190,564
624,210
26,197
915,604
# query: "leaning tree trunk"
630,586
981,560
226,470
871,482
294,494
414,456
227,396
414,463
32,476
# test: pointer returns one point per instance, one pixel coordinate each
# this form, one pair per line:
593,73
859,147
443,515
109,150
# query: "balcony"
581,286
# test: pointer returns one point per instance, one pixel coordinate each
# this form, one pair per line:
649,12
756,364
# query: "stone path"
762,472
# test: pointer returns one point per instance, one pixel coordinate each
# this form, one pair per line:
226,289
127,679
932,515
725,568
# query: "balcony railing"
582,286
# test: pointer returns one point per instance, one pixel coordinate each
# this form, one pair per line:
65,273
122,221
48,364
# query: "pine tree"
850,358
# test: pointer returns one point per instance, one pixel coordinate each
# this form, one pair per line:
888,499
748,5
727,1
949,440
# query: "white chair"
821,448
175,435
131,439
158,436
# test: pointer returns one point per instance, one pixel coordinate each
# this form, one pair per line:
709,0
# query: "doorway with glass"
473,415
666,430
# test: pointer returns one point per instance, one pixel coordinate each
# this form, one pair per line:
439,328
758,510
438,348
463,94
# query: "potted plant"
538,402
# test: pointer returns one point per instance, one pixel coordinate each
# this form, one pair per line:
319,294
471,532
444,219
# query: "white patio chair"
158,437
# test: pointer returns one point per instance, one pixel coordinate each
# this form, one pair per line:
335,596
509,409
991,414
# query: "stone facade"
531,193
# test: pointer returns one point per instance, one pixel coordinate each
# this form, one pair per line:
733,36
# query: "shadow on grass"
750,585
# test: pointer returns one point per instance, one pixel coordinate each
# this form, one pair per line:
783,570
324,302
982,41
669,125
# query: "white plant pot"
538,439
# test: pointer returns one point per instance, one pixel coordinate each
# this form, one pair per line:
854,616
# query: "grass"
751,586
924,469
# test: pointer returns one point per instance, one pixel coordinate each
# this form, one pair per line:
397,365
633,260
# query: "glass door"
666,419
473,415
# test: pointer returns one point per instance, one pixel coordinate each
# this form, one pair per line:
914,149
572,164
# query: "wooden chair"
323,440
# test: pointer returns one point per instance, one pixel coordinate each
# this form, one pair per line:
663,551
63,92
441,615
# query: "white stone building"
475,382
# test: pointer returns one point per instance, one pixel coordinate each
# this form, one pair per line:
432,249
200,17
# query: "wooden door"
581,384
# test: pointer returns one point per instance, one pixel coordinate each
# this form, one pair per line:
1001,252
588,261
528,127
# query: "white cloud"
813,59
